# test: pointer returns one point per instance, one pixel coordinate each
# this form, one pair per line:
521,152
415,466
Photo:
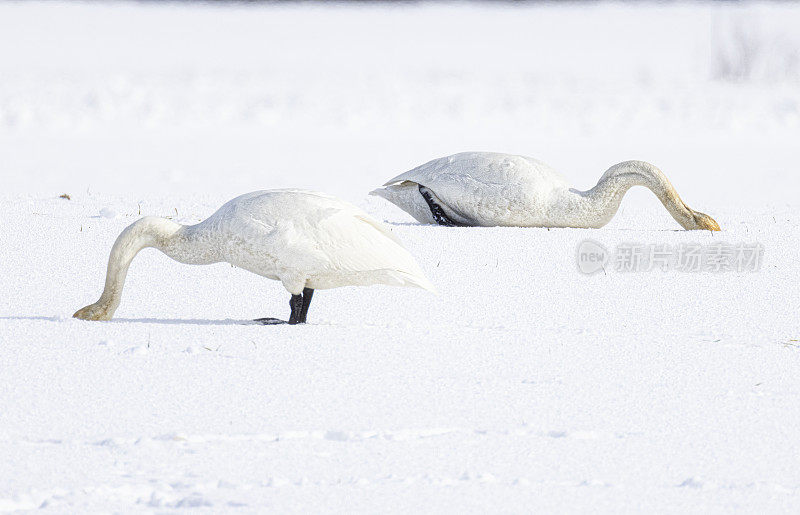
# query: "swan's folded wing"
355,243
474,186
488,188
485,168
423,174
469,176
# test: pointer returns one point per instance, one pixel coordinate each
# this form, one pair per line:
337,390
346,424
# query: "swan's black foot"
270,321
439,216
299,305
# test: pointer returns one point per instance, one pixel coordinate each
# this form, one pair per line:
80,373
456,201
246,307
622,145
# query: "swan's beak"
93,312
705,222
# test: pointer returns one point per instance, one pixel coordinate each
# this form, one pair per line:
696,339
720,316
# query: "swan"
490,189
305,240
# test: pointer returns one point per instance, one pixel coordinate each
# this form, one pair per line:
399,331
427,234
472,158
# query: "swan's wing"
443,168
488,188
270,227
489,168
318,236
354,243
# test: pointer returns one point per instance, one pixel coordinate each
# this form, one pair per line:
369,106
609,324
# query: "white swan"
304,239
488,189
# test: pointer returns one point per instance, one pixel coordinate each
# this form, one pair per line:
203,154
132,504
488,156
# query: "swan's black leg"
299,306
296,303
307,294
439,216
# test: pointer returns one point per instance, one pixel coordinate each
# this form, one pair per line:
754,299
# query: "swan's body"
490,189
305,240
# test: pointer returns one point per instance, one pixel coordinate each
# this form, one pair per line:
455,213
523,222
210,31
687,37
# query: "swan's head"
96,311
703,222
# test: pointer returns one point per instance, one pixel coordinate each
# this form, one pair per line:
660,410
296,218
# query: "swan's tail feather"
378,192
417,281
406,196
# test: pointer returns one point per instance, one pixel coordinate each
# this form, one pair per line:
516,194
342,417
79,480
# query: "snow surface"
525,386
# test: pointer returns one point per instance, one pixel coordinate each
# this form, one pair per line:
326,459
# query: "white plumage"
304,239
491,189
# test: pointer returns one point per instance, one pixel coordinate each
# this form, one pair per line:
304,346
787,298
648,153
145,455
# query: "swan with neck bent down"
491,189
306,240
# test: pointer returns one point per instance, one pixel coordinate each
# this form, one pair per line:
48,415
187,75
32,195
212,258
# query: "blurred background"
185,97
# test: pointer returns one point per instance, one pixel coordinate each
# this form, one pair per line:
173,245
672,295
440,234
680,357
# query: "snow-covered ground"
524,386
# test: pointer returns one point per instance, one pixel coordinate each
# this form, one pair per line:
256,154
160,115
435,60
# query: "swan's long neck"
175,240
600,204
